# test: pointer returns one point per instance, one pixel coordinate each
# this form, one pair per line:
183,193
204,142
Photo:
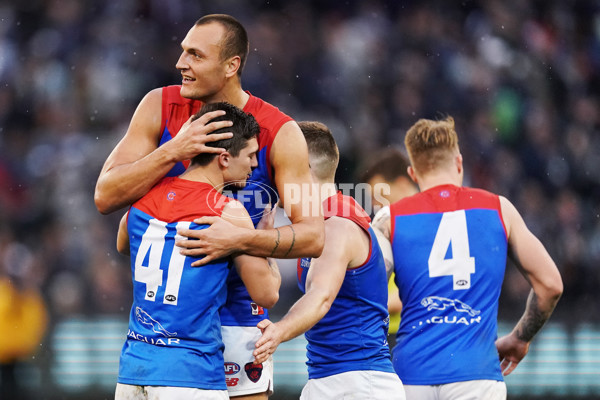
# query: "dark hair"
390,163
322,148
244,128
235,40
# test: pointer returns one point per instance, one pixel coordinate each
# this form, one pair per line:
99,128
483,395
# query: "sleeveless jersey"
259,191
174,335
450,250
352,336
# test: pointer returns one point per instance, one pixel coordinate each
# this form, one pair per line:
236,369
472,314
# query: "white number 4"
452,232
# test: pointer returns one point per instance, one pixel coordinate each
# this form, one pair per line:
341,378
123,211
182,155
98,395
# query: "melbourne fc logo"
254,196
253,371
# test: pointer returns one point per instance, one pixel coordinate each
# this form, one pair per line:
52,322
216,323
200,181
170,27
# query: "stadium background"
522,80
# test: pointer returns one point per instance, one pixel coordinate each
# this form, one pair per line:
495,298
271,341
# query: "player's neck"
438,178
232,93
326,190
206,173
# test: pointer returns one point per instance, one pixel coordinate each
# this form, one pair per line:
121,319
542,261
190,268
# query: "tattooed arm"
537,267
304,237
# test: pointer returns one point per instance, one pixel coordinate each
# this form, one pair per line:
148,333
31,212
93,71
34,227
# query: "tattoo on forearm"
533,319
293,241
276,242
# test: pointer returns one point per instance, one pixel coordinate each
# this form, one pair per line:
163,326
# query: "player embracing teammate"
449,246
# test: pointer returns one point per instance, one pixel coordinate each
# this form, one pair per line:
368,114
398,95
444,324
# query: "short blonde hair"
431,144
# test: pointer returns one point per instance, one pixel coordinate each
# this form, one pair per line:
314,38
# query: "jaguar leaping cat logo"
441,303
150,322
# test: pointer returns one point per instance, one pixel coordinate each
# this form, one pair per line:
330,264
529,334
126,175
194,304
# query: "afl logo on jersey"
461,282
231,368
171,196
445,194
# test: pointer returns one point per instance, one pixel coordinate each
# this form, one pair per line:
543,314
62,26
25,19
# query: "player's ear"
232,66
412,174
224,159
459,163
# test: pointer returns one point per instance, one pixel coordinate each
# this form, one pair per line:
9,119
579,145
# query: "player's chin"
239,184
187,91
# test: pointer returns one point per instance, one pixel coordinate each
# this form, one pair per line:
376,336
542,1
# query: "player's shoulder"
235,213
342,227
408,205
481,193
267,115
257,104
345,207
480,198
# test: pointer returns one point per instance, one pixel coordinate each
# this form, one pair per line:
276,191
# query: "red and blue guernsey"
449,246
259,191
352,336
174,336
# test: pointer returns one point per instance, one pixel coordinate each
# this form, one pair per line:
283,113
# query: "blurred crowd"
522,81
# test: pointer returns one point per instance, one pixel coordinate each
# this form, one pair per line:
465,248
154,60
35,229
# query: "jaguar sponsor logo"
438,303
442,303
151,340
145,319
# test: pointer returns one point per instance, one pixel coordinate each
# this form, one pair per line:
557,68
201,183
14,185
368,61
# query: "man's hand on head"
194,135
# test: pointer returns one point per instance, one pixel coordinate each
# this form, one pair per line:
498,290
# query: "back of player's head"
244,128
390,164
235,39
431,144
322,149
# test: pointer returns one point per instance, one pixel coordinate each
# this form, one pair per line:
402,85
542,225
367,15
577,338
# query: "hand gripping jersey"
259,191
449,247
352,336
174,336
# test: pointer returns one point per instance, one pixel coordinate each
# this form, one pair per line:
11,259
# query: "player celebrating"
214,52
343,310
450,246
174,323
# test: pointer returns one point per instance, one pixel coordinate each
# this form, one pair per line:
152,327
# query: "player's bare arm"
136,164
382,226
260,276
123,236
347,246
539,269
383,229
303,238
382,221
299,197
